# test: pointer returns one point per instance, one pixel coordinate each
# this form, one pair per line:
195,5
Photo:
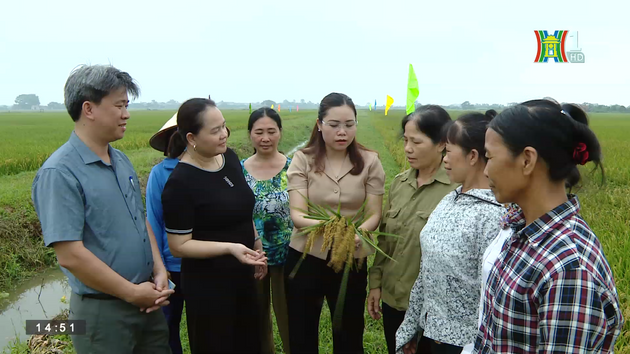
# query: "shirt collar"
170,163
409,174
536,231
440,175
484,195
87,155
346,167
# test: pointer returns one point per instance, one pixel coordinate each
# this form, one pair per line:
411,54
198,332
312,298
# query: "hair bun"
491,113
575,112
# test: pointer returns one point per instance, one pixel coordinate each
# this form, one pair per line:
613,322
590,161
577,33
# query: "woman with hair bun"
444,301
208,208
551,289
413,194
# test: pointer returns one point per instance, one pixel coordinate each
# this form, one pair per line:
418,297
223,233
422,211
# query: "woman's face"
420,150
339,127
506,178
458,165
265,136
212,138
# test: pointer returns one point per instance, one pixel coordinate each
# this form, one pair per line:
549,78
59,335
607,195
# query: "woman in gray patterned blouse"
444,301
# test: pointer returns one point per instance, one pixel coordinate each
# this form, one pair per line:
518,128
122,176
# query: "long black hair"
316,145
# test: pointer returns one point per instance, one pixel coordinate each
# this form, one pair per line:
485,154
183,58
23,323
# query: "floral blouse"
444,301
272,215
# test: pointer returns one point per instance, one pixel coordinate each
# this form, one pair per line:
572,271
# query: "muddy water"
36,299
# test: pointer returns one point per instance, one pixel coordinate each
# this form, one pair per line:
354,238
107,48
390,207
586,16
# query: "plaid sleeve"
576,314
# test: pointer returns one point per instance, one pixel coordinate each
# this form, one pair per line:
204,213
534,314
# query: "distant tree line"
594,107
155,106
28,102
589,107
286,104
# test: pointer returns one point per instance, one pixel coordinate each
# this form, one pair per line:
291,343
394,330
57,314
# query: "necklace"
214,159
217,161
340,166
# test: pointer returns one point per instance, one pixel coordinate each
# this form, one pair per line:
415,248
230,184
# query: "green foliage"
26,101
26,139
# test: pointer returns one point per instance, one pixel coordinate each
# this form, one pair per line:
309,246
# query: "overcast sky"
251,50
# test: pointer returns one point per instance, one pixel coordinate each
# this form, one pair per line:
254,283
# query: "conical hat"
159,141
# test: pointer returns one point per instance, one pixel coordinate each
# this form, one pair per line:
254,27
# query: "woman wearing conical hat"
155,222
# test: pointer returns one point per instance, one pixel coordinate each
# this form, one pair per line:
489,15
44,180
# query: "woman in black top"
208,217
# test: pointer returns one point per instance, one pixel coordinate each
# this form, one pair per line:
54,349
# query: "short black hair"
430,120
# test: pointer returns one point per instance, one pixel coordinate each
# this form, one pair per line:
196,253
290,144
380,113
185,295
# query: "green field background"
27,139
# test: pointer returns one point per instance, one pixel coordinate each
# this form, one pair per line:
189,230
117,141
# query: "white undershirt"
489,257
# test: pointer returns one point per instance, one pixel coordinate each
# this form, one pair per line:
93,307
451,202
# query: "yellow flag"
390,102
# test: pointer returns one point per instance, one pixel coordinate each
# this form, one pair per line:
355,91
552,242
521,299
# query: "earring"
319,130
195,147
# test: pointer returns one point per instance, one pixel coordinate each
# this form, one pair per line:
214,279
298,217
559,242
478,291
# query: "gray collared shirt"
78,197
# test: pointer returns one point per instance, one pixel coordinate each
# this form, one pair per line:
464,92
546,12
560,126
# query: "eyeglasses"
337,125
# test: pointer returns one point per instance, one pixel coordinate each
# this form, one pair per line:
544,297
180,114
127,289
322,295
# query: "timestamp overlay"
52,327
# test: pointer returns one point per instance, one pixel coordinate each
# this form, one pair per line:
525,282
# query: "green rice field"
27,139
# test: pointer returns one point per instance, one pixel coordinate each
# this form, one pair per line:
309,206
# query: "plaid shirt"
551,290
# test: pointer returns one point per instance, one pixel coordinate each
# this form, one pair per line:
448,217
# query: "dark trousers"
115,326
173,312
392,319
437,348
305,293
272,291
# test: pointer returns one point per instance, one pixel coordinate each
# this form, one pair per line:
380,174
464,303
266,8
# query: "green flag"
250,108
412,90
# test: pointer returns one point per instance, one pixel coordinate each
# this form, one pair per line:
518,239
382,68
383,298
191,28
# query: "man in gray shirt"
87,196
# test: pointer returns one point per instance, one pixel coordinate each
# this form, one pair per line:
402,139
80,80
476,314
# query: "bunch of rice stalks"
338,233
45,344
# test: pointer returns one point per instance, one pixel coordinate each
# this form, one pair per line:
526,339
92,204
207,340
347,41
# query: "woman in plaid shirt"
551,289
